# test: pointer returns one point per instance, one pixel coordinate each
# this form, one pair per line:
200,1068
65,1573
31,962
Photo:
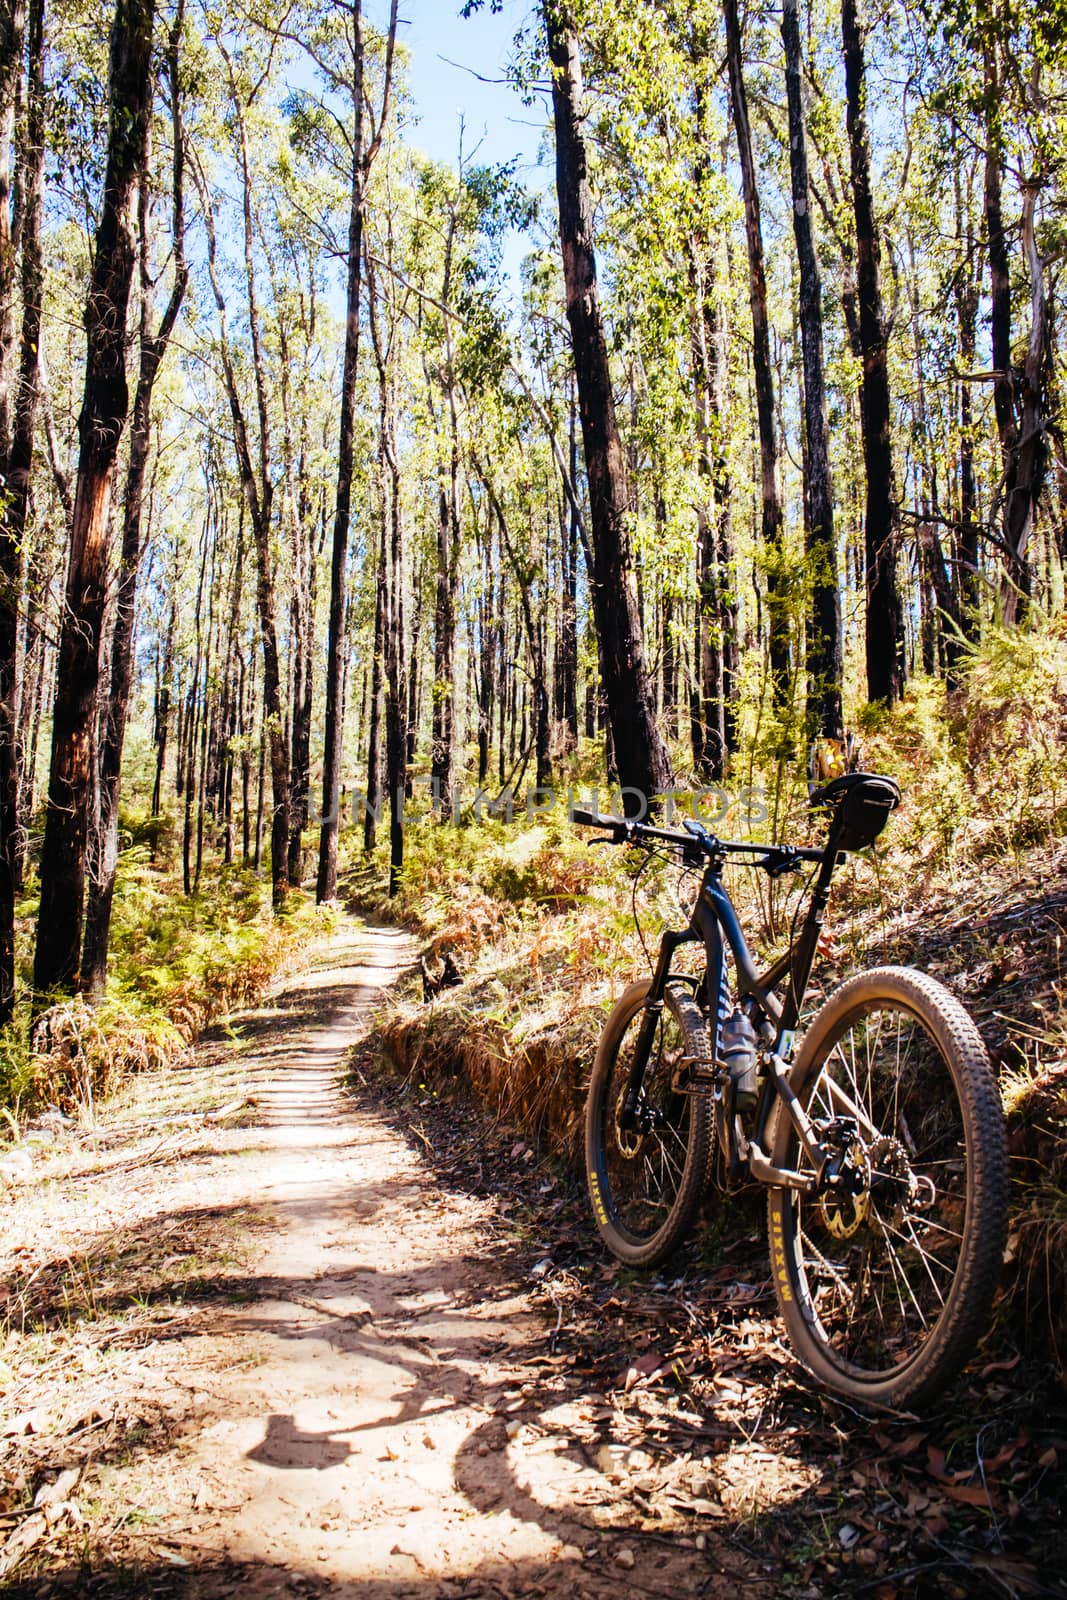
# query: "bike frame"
714,923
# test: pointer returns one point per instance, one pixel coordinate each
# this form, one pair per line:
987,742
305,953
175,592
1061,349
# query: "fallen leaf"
22,1541
968,1494
907,1446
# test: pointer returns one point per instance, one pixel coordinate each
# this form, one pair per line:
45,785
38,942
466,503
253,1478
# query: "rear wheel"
885,1277
647,1173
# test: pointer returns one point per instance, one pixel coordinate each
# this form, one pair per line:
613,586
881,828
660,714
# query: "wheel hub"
894,1186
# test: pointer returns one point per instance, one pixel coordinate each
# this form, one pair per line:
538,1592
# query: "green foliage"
17,1073
175,966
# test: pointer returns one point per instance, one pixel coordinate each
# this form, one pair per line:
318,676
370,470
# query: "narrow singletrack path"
356,1422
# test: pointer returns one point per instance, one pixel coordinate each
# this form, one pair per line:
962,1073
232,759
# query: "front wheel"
647,1169
885,1277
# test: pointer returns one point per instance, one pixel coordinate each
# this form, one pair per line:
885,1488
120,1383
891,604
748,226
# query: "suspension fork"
646,1033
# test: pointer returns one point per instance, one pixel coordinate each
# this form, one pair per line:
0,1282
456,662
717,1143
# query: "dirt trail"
355,1425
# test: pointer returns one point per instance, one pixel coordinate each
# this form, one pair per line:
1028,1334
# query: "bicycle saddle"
859,803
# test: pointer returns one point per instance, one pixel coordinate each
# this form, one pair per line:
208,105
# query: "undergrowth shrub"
175,965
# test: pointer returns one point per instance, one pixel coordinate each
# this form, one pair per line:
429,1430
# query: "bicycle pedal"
703,1073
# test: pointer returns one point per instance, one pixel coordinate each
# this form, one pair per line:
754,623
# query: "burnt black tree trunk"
968,587
105,846
641,757
1017,391
18,461
823,632
102,420
771,517
885,626
713,702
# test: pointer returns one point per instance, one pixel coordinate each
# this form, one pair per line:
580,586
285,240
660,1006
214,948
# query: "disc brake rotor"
843,1208
628,1140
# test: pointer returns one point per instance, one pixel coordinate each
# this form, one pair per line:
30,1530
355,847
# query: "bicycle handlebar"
625,830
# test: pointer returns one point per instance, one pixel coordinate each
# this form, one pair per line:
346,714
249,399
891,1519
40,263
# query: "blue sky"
446,53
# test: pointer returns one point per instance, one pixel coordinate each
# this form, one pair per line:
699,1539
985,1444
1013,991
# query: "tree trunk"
486,657
12,40
968,588
823,632
442,736
713,708
337,633
258,489
363,156
771,519
374,741
105,845
885,625
534,640
103,418
18,462
1017,402
640,753
391,584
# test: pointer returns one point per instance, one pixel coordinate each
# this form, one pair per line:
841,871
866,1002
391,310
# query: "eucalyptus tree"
338,46
884,618
103,418
153,343
824,659
247,78
20,233
771,522
639,750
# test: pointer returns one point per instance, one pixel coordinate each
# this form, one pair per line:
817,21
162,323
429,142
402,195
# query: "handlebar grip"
591,819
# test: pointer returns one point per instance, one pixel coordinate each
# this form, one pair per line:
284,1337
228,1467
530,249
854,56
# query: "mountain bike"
877,1130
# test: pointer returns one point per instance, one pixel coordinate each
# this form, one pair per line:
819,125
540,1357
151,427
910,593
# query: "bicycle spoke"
879,1274
646,1161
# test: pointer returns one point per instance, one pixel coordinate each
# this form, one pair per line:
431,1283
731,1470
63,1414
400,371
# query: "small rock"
428,1442
483,1449
625,1558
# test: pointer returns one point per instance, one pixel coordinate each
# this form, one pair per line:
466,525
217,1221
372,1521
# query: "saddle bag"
860,803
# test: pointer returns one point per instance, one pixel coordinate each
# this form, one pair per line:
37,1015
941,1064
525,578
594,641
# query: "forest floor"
269,1334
